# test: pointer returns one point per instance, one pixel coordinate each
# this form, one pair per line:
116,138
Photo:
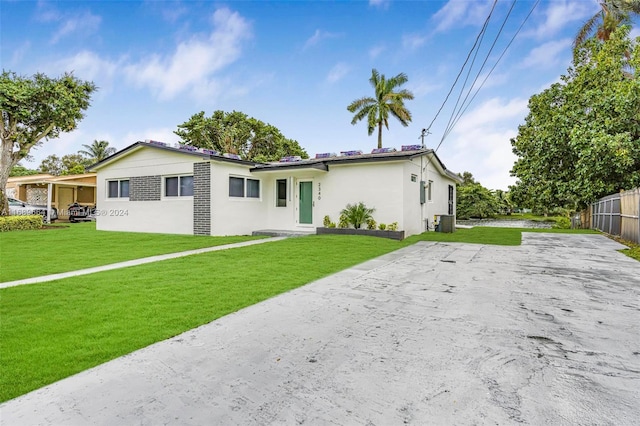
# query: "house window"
429,190
118,188
281,193
253,188
414,178
244,187
178,186
236,187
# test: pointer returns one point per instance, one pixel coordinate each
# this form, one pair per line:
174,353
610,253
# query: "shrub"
357,214
343,222
371,224
562,223
393,226
326,221
19,223
331,225
382,227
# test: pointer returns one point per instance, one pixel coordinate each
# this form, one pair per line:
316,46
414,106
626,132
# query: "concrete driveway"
544,333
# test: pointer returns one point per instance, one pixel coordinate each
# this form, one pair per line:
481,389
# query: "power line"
456,114
484,27
490,72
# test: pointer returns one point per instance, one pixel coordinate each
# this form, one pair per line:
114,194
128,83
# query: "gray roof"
311,163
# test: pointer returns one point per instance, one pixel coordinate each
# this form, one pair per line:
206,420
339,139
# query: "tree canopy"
70,164
236,133
36,109
474,200
20,170
386,101
581,138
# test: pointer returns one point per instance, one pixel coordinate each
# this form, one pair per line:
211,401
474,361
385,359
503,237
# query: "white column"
49,189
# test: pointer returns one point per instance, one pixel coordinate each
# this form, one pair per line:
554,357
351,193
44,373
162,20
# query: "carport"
54,191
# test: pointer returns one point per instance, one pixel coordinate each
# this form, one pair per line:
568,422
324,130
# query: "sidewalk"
134,262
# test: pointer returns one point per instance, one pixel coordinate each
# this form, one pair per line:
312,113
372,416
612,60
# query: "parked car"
19,207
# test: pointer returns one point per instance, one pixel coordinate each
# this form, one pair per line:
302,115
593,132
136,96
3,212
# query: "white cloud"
421,88
88,65
194,62
376,51
85,23
381,4
547,54
413,41
317,37
19,53
635,32
492,112
561,14
480,143
338,72
458,13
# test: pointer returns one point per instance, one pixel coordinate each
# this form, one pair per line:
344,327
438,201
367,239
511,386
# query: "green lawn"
26,254
53,330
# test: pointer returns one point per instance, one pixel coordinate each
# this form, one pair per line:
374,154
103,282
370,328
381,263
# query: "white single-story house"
153,187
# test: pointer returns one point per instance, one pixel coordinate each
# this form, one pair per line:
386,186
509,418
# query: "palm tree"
386,101
614,13
98,150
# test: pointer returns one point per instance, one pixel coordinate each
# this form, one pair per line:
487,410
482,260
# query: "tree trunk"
380,134
7,161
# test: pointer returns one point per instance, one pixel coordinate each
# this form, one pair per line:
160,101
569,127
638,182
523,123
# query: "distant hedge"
20,223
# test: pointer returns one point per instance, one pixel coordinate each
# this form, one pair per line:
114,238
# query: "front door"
306,202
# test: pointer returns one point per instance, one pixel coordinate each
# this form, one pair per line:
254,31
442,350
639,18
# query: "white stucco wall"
169,215
378,185
235,215
386,186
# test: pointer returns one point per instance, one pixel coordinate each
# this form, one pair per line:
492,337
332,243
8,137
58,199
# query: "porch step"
283,233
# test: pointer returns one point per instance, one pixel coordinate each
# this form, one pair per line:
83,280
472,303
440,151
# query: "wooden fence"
618,214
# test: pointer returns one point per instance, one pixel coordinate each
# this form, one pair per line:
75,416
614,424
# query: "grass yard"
27,254
52,330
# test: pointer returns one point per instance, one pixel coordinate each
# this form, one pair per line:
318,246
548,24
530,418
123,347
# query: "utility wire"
494,67
484,27
456,114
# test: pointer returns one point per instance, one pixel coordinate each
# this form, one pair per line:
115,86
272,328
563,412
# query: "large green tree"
97,151
36,109
581,138
70,164
474,200
386,101
236,133
20,170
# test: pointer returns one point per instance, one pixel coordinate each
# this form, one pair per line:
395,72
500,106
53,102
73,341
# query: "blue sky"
296,65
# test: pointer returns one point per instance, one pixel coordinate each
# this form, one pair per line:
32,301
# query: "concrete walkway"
134,262
436,333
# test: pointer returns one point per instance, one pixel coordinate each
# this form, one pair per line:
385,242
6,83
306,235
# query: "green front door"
306,202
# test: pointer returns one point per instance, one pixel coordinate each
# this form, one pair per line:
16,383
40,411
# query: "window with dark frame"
178,186
118,188
244,187
253,188
236,187
281,193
